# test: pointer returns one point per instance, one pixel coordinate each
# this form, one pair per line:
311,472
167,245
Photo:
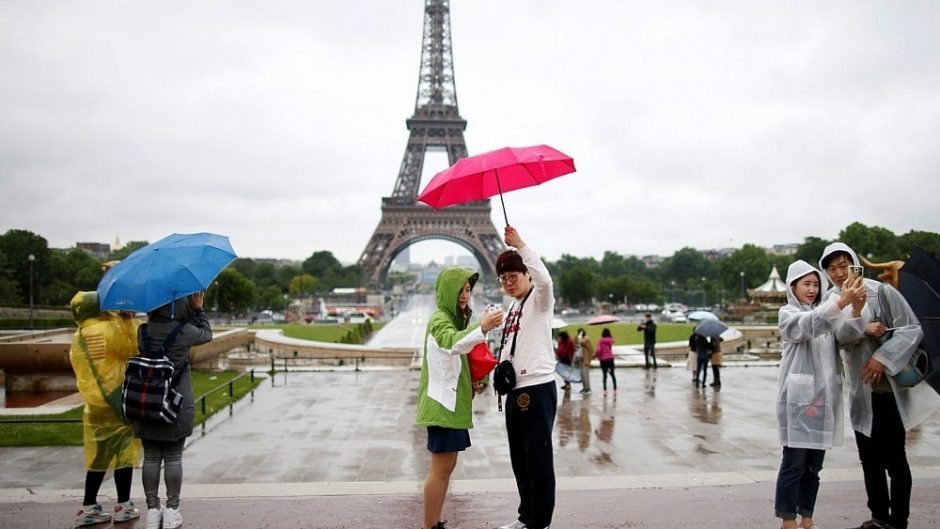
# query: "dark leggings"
122,482
608,365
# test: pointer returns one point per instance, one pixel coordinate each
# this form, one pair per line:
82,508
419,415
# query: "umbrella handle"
500,188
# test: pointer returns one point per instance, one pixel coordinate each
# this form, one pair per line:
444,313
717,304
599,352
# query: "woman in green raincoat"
101,346
446,392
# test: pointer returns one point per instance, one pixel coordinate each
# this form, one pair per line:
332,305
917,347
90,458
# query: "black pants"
716,372
649,351
884,452
530,416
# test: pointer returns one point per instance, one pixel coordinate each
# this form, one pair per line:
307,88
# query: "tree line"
689,275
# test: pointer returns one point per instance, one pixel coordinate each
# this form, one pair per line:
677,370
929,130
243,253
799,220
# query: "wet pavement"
338,449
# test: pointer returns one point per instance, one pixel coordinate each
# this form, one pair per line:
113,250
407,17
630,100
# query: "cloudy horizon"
282,124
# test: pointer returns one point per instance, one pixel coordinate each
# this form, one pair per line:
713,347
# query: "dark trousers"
530,415
716,374
798,482
884,452
607,366
649,351
701,366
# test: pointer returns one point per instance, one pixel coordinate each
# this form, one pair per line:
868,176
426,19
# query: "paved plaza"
339,449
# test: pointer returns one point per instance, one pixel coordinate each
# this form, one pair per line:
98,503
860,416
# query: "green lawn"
70,433
626,333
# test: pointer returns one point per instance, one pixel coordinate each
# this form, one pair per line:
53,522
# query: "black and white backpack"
149,389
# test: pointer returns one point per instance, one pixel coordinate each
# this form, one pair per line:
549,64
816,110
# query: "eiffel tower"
436,125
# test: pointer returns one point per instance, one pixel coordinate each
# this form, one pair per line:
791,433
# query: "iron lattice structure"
435,126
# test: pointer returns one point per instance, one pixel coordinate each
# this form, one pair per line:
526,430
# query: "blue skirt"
441,440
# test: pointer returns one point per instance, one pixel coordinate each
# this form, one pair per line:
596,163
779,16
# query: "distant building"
98,250
783,249
652,261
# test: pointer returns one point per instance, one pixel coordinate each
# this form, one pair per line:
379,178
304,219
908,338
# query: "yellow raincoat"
108,339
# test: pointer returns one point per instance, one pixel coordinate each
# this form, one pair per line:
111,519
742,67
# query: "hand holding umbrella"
512,238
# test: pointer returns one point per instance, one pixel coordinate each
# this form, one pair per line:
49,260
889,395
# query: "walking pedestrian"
448,414
716,360
564,353
605,355
703,350
587,355
881,411
531,405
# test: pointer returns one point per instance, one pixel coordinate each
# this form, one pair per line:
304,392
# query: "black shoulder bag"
504,376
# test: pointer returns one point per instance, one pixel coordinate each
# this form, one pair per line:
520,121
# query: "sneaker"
154,516
90,515
172,518
441,525
605,394
514,525
125,512
586,392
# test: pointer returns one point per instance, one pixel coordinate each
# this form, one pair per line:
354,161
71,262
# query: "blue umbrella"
709,328
161,272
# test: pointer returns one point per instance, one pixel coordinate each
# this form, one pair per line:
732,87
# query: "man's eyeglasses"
510,278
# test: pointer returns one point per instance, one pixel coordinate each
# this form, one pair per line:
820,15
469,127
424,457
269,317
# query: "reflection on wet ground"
349,426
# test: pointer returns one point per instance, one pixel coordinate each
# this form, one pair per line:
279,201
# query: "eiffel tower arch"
435,126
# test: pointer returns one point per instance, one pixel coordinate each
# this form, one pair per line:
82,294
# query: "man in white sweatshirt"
531,405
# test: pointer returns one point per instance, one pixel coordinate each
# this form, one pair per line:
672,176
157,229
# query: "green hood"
447,292
84,305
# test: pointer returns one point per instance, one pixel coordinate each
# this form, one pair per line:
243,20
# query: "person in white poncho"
881,410
809,398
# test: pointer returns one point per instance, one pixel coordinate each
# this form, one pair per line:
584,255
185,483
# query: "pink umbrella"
601,319
491,173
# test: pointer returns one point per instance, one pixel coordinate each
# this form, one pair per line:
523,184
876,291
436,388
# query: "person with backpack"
174,328
881,410
101,345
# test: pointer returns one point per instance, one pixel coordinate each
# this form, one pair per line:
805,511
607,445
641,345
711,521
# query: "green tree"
750,259
577,286
16,246
231,292
929,241
875,243
129,248
272,298
810,251
303,284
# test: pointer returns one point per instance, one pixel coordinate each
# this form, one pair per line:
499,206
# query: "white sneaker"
514,525
153,518
172,518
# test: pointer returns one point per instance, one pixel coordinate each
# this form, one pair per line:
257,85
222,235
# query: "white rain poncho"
914,404
809,395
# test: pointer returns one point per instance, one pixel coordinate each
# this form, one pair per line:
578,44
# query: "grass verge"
62,433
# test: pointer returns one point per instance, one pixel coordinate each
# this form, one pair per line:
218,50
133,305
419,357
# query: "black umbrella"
919,283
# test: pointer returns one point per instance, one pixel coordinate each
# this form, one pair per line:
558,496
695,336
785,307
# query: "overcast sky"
282,124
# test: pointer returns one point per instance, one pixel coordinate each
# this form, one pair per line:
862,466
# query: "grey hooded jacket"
196,330
809,395
914,404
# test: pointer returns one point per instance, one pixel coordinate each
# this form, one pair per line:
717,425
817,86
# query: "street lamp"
31,258
703,291
742,285
673,291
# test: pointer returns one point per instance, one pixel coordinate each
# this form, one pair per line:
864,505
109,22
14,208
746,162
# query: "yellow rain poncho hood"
103,343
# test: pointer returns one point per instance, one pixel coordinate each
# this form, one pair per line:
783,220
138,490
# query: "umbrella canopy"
710,328
491,173
919,283
700,315
731,334
161,272
558,323
602,319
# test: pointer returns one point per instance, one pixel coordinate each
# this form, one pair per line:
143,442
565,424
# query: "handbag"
919,364
504,376
114,398
481,361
